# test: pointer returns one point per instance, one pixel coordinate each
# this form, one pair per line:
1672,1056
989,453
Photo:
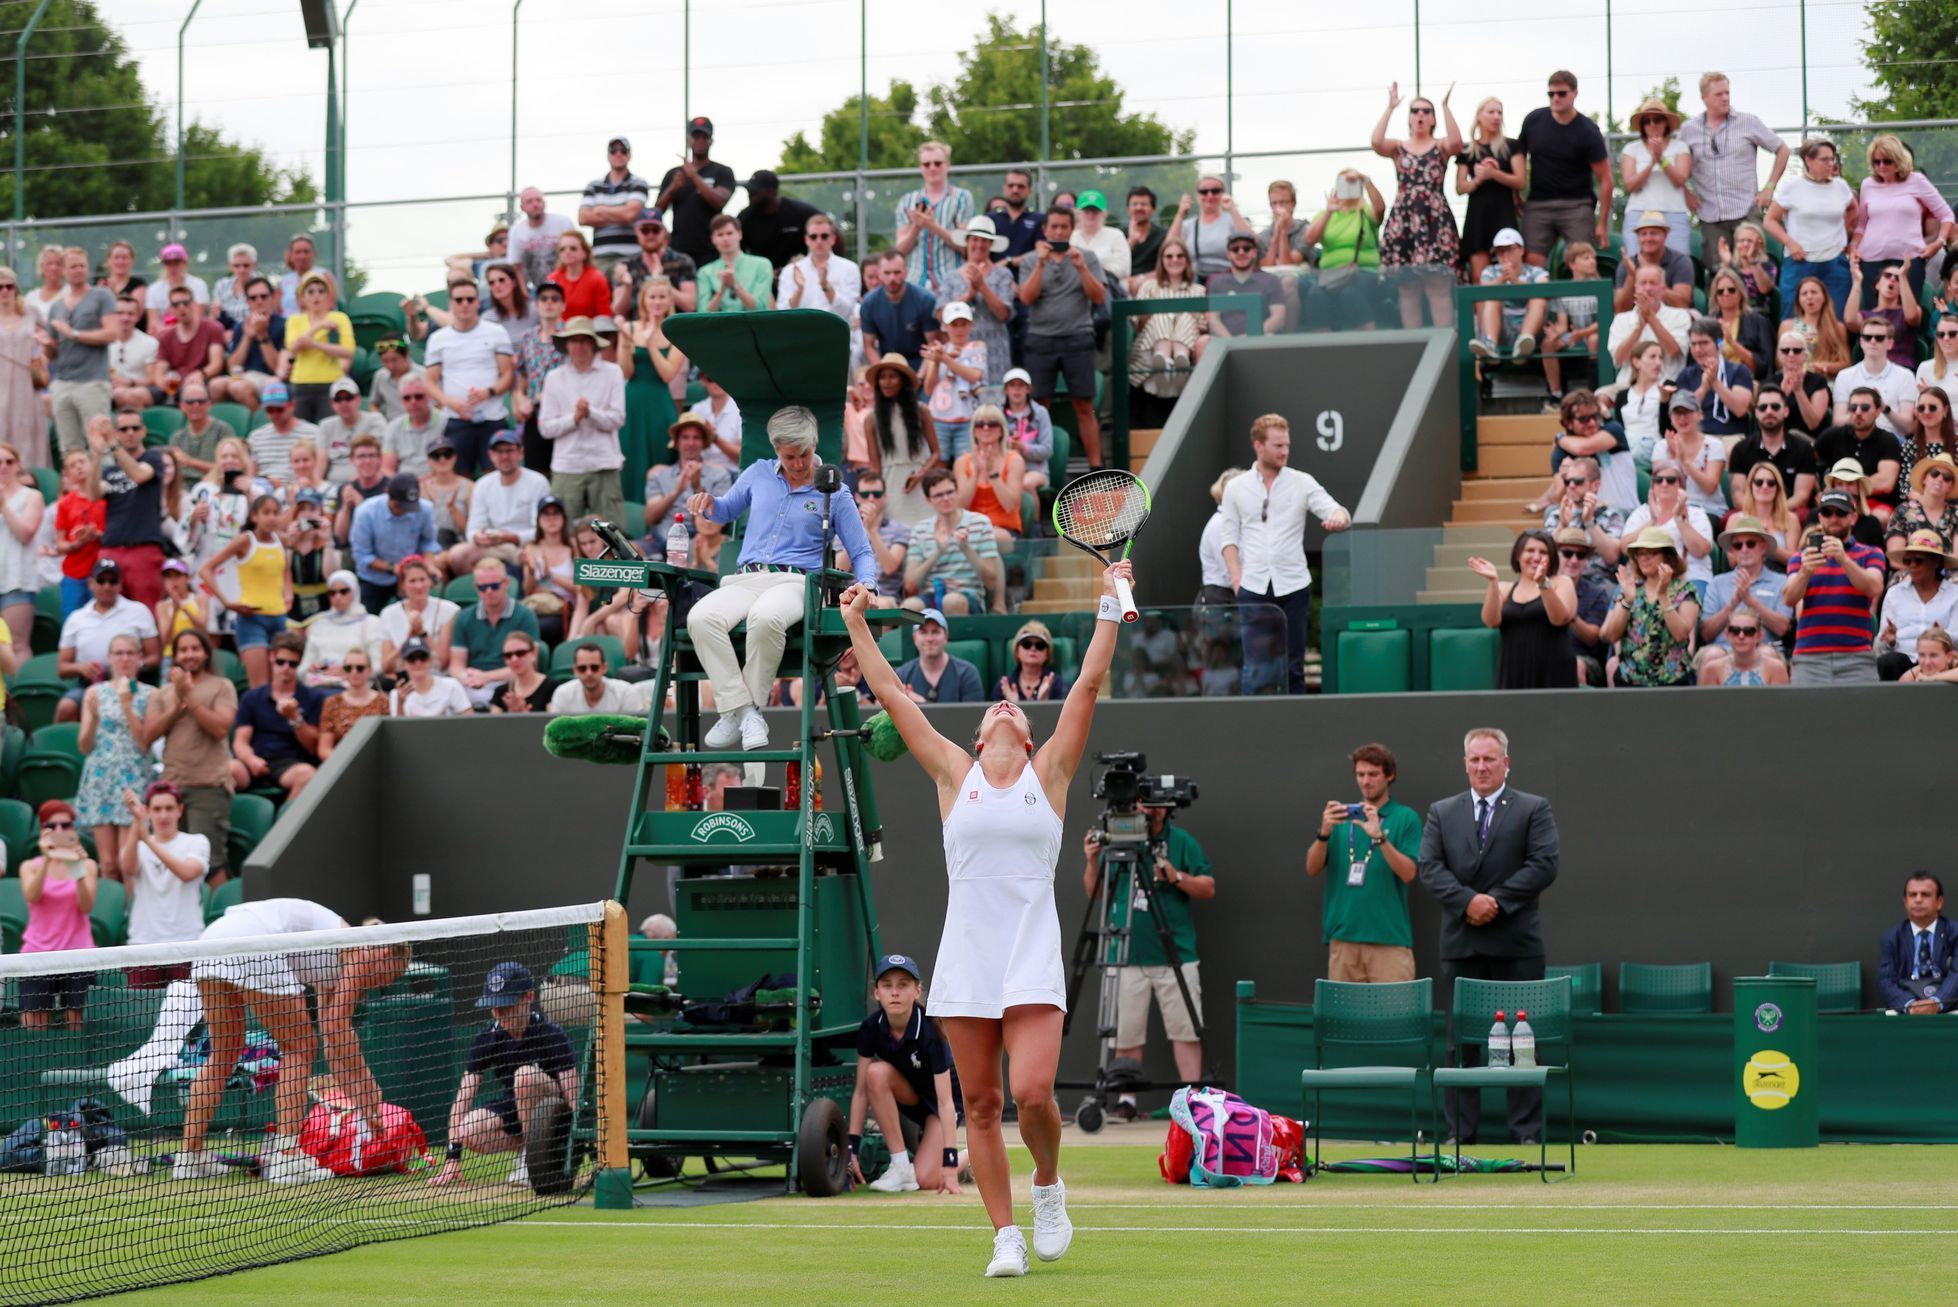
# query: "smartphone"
1348,188
230,481
923,206
1356,811
1813,540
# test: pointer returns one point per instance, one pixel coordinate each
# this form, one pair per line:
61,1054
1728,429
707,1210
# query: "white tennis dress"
1002,941
282,973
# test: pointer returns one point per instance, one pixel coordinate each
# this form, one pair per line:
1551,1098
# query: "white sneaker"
1052,1231
1525,346
727,730
1483,348
754,729
1009,1254
520,1173
197,1166
290,1166
898,1178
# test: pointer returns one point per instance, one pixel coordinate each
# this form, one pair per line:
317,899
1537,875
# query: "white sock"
279,1144
1129,1099
901,1157
134,1077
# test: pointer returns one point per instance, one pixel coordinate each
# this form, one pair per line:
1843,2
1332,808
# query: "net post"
612,1190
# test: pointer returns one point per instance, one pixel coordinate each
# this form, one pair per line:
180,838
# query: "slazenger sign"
723,823
594,571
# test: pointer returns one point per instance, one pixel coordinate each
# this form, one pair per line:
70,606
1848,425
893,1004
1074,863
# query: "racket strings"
1101,511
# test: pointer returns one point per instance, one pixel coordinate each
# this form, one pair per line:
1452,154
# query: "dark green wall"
1697,825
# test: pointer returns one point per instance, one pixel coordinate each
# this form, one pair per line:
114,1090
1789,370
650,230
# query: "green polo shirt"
483,639
1374,912
755,274
1145,946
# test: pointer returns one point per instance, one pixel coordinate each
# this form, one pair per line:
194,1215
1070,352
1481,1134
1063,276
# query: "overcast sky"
430,109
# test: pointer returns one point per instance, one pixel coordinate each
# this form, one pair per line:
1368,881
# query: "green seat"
1463,658
108,920
1375,662
255,421
232,668
225,897
633,523
51,768
13,746
46,635
48,480
460,590
19,833
1838,985
13,915
1547,1003
1648,989
1376,1038
980,654
1586,986
36,688
235,416
252,816
162,423
562,657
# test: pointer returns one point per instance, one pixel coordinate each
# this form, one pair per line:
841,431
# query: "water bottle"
1499,1043
1522,1040
679,543
62,1150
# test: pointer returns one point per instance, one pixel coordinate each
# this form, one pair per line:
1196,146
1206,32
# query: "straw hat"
1745,524
1845,470
1653,537
1923,466
1927,541
579,326
893,361
1653,104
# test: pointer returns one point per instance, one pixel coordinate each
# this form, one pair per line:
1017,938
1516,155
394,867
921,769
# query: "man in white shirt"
723,417
469,367
595,692
581,412
502,509
1650,318
1265,514
1726,188
1898,386
1093,234
130,356
82,650
533,241
822,278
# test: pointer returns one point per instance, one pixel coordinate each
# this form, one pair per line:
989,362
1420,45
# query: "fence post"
195,6
511,215
1046,139
863,126
20,104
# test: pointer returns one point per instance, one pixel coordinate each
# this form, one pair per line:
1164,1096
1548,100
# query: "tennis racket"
1100,514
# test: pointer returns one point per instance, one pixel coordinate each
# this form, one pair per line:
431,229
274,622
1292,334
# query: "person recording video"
1181,873
1371,847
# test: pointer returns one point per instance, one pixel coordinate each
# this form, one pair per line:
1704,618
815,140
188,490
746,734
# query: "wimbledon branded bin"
1776,1076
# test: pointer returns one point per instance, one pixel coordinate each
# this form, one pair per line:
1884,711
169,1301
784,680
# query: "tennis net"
326,1074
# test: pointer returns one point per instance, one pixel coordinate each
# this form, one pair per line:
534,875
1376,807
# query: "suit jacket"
1516,862
1896,958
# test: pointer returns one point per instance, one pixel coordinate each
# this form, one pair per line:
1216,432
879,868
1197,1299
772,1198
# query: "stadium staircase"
1069,580
1512,467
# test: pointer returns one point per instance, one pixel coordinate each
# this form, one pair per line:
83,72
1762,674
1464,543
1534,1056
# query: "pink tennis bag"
1231,1142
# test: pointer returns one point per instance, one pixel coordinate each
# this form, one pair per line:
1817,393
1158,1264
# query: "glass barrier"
1365,567
206,238
1206,651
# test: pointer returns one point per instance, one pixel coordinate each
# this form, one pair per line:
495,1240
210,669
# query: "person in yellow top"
179,609
11,657
264,587
320,341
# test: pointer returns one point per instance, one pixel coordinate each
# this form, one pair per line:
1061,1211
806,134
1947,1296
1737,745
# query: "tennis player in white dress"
1000,985
273,987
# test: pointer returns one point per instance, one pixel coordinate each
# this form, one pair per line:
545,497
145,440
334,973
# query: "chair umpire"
1486,855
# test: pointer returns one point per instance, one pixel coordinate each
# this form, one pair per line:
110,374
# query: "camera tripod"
1103,943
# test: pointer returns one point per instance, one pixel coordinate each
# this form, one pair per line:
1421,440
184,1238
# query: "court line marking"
827,1227
843,1210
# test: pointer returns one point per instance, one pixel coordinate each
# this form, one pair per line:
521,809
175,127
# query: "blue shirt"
495,1052
899,328
785,526
1766,590
379,533
273,737
255,360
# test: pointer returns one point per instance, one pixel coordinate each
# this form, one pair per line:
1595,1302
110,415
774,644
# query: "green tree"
96,144
1909,55
990,113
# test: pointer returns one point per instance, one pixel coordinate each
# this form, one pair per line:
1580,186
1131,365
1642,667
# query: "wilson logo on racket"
1100,514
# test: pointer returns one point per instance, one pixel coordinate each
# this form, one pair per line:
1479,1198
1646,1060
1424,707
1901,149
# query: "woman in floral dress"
112,756
1419,247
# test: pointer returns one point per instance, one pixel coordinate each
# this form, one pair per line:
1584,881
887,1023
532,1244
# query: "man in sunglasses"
656,258
1863,438
471,366
196,442
611,205
593,691
1895,387
397,365
1789,452
1597,590
1749,592
1567,159
130,478
1579,506
821,278
191,348
476,634
82,648
1833,585
890,540
278,734
257,345
405,446
693,194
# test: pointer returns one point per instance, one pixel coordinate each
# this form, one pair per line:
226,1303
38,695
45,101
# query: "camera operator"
1372,846
1182,873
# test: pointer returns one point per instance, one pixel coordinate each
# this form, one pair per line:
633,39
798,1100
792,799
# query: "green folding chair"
1548,1005
460,590
45,638
36,689
52,766
225,897
252,816
13,745
19,832
1838,985
1379,1038
1647,989
108,920
1586,986
235,416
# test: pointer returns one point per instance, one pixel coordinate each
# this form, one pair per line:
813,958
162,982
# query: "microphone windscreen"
598,737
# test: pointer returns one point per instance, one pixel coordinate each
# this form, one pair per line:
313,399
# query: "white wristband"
1110,610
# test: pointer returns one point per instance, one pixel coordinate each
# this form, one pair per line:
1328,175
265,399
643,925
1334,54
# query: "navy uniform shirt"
918,1057
496,1052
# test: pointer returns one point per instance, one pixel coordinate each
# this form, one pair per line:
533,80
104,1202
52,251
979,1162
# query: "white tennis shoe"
754,728
197,1166
1009,1254
520,1173
727,730
1052,1231
898,1178
290,1166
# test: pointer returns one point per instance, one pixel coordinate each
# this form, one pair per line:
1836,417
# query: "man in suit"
1918,970
1485,856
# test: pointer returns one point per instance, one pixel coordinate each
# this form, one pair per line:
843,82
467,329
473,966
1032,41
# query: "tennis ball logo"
1770,1080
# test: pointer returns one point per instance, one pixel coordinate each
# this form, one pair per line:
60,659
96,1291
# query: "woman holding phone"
59,887
1000,985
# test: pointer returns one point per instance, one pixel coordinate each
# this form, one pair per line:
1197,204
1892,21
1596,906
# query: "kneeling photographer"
1179,872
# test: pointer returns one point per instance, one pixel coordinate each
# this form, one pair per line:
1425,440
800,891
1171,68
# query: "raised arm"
943,761
1061,755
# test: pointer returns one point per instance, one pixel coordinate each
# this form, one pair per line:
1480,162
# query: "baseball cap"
415,647
1507,236
1240,238
174,253
345,386
1017,374
310,496
1091,200
645,220
1683,399
506,984
439,442
176,565
403,488
1830,499
507,436
955,311
763,180
898,962
107,569
275,392
623,142
701,124
933,615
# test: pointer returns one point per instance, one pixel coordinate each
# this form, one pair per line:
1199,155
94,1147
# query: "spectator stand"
1122,316
1467,297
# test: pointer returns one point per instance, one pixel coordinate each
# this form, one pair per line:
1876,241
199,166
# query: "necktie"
1923,953
1481,821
